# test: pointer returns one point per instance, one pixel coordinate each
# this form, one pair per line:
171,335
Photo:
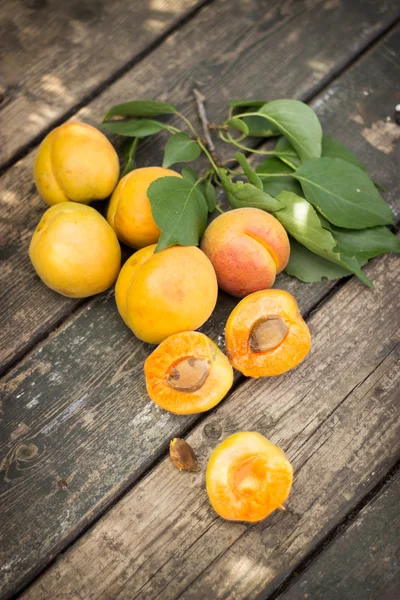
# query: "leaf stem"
130,157
206,152
219,209
188,123
274,174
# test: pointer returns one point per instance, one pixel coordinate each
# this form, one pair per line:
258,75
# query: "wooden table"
91,506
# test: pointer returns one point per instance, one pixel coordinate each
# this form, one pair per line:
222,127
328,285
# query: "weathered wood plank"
364,561
55,54
80,399
337,419
295,43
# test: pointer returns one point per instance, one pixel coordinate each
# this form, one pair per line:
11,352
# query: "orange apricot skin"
248,477
75,163
247,248
159,294
276,361
129,212
178,347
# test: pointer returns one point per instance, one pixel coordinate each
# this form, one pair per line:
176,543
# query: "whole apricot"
159,294
266,335
129,212
187,373
248,477
75,163
74,250
247,248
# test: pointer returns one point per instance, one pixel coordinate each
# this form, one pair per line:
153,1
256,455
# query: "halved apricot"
266,335
187,373
248,477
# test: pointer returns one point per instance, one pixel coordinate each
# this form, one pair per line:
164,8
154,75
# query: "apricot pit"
187,373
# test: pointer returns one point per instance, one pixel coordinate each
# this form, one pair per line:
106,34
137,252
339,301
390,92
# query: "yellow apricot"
76,163
74,250
129,212
159,294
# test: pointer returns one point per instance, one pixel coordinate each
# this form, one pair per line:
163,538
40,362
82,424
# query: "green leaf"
343,193
310,267
211,196
129,154
286,153
245,194
180,148
332,148
274,185
298,123
248,170
138,128
190,174
238,124
366,243
141,108
180,211
246,103
260,127
301,221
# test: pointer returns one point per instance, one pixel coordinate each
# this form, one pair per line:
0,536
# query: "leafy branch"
318,190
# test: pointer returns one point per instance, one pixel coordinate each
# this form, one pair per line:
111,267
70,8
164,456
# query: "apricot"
129,212
76,163
159,294
187,373
266,335
247,248
74,250
248,477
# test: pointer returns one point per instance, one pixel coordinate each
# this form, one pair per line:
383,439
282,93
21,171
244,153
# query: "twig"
200,100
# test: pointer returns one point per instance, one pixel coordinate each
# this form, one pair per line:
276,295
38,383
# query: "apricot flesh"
201,384
248,477
266,335
247,248
76,163
74,250
159,294
129,212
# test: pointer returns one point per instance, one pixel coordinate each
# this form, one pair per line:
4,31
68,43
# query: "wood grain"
223,51
80,398
364,561
336,417
55,54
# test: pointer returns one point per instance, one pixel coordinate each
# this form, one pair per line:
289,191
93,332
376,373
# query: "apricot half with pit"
248,477
247,248
187,373
266,335
75,163
159,294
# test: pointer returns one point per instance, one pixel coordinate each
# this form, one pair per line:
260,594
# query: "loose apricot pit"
187,373
248,477
266,335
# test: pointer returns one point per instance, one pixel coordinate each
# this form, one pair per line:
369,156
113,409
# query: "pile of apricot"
163,297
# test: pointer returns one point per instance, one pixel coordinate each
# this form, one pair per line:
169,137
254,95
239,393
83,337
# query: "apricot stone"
129,212
248,477
247,248
266,335
187,373
76,163
159,294
74,250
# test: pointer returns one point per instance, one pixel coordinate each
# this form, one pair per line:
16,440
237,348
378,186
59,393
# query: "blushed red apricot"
248,477
247,248
187,373
266,335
